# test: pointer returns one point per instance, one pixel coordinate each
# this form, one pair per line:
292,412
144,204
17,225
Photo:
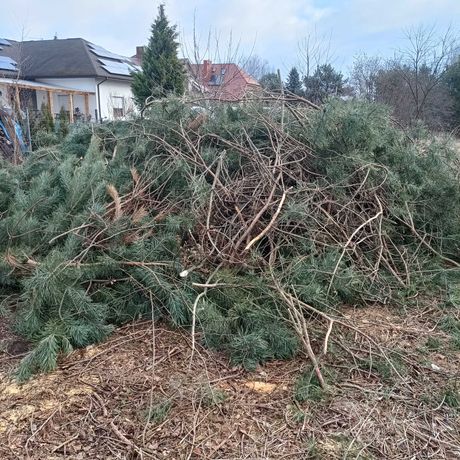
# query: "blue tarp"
5,131
18,134
20,137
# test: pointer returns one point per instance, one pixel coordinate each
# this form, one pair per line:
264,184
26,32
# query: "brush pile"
252,225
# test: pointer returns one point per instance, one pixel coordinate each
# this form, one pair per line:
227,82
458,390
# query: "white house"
84,79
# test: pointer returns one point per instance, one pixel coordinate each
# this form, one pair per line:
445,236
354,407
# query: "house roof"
27,84
65,58
225,81
7,67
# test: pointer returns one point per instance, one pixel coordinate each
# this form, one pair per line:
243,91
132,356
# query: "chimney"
206,69
139,54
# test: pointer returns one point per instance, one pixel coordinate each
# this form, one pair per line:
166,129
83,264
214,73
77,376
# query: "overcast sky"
271,29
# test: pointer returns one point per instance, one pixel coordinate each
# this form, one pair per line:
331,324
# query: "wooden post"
50,103
87,114
71,109
17,100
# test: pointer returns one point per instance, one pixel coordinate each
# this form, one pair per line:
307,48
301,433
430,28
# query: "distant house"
224,82
84,79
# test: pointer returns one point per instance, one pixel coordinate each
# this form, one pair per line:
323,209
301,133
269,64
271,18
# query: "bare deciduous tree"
412,82
423,62
364,75
313,51
255,66
217,49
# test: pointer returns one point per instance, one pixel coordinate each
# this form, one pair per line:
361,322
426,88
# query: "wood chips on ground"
128,399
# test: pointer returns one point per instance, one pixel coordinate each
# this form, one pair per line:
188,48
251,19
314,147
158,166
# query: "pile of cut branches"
248,224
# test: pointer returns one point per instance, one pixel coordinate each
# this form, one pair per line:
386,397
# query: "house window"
216,79
118,105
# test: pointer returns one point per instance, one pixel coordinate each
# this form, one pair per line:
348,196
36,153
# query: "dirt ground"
141,395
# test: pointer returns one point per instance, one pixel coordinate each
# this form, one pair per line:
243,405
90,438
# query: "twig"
32,436
117,431
368,221
300,325
326,338
194,309
422,240
52,240
270,224
67,441
338,321
258,215
153,366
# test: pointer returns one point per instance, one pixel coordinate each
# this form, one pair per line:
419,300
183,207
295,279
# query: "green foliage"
298,416
452,79
42,138
451,325
418,176
90,239
433,344
246,322
270,82
63,126
451,397
294,83
212,397
46,120
324,83
44,356
162,73
159,411
249,349
308,388
78,140
42,129
60,306
386,368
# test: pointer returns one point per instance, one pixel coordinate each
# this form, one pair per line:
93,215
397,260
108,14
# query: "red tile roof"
226,82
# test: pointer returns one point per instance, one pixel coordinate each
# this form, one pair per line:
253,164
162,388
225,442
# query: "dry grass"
125,400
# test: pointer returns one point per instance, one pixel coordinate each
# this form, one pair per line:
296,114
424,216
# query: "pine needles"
336,206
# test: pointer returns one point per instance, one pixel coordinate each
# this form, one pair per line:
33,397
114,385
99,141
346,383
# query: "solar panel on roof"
4,42
8,59
6,63
6,66
102,52
117,70
116,67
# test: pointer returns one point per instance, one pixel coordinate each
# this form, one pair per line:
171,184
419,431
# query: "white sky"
271,29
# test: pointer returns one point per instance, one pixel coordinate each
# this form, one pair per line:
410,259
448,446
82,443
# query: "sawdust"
261,387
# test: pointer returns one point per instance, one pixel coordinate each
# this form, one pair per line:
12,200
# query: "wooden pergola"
50,90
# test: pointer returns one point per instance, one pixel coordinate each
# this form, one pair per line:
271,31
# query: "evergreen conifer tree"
294,83
452,79
325,82
270,82
162,72
63,128
46,122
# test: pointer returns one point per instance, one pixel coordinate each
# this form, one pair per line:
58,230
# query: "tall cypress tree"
294,83
162,72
